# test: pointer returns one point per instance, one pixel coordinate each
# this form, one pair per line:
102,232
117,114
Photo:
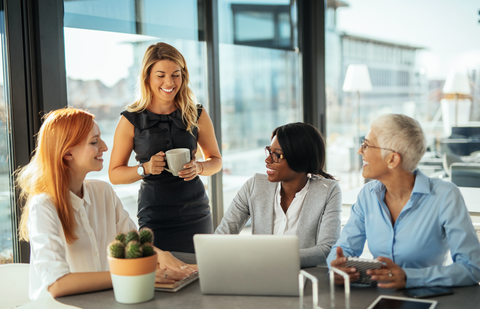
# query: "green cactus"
116,249
121,237
132,235
133,250
146,235
148,249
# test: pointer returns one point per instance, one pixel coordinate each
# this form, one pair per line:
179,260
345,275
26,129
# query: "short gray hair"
402,134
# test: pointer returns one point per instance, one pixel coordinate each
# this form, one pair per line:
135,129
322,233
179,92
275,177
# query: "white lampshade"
457,83
357,78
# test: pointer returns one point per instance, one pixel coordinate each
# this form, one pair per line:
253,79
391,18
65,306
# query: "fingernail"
352,269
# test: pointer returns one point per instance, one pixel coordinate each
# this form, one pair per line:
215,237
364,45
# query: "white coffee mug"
176,159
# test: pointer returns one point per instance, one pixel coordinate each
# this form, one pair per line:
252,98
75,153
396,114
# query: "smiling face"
87,156
280,171
165,81
374,166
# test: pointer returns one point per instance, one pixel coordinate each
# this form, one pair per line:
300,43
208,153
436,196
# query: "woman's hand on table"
390,276
166,275
340,263
170,268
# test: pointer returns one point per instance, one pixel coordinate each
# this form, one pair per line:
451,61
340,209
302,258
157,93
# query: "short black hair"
303,147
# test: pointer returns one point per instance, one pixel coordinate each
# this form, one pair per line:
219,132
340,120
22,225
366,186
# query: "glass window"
260,86
7,197
104,45
409,63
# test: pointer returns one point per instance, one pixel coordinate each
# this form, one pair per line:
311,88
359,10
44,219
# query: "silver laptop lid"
248,264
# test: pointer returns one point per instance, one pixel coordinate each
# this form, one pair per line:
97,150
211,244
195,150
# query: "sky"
449,30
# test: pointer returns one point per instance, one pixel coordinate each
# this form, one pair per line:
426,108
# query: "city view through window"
409,48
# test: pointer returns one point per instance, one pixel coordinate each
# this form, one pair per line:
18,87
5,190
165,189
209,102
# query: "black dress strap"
199,111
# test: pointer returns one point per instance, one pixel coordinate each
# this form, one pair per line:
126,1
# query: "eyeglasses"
276,157
364,146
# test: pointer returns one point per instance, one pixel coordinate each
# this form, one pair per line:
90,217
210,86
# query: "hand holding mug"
191,170
156,165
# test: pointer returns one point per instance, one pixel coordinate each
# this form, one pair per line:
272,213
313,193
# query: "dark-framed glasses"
276,157
365,146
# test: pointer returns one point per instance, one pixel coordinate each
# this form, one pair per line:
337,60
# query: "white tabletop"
470,195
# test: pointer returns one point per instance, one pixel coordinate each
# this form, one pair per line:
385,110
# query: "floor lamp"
456,83
357,80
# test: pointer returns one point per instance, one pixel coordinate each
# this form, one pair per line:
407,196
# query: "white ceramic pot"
133,279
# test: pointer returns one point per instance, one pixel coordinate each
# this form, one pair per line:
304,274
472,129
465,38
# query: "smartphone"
428,292
362,265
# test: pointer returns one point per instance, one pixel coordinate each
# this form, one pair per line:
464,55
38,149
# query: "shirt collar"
421,185
79,202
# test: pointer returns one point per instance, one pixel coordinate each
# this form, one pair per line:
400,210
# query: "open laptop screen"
248,265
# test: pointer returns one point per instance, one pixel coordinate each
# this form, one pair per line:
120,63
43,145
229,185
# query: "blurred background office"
254,65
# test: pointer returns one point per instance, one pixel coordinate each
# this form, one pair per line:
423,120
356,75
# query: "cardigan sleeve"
328,230
238,212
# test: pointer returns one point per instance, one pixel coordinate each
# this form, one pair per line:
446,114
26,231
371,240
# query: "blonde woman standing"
166,117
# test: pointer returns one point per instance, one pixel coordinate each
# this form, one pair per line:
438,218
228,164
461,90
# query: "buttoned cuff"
415,277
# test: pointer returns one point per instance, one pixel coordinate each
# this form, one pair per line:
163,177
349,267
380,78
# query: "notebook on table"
248,264
177,285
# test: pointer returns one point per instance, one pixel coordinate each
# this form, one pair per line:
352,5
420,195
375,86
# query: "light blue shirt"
434,221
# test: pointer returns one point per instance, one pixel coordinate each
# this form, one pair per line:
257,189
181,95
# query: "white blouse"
287,223
100,217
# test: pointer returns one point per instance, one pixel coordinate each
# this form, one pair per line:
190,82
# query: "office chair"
465,174
448,160
14,284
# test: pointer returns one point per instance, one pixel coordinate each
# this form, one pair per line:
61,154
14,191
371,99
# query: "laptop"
248,264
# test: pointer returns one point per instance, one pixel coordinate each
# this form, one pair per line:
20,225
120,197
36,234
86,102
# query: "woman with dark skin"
295,197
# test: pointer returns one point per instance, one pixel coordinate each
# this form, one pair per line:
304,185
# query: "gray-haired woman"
410,220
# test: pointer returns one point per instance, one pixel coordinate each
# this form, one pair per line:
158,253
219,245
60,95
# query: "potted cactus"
133,263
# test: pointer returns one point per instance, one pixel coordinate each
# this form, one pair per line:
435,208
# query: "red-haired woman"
68,220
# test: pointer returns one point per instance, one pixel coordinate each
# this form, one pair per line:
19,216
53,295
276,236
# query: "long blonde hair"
184,100
48,172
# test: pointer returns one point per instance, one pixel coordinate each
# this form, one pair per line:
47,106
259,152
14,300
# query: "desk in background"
191,297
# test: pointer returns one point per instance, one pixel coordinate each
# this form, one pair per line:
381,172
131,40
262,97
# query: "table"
191,297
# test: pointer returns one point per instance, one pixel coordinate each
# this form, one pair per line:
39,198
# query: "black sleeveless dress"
173,208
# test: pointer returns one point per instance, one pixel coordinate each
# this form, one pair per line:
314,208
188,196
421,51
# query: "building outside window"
409,55
260,81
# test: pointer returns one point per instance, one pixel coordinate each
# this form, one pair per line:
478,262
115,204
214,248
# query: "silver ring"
166,276
390,273
183,267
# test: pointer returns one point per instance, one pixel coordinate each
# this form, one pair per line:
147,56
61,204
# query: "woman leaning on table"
411,222
296,197
165,117
69,220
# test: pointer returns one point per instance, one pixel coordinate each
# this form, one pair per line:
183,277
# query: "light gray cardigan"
319,222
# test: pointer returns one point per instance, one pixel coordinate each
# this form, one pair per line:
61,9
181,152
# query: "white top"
287,223
100,217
